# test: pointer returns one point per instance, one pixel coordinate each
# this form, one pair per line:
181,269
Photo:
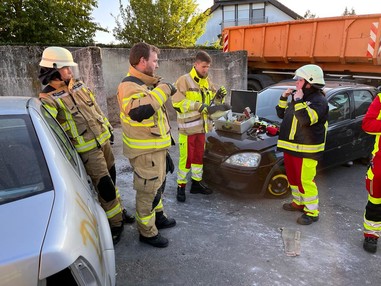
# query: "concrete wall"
102,69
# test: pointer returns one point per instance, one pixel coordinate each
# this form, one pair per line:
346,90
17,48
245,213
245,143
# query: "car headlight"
244,160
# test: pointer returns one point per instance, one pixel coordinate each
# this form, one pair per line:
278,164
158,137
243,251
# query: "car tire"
278,186
366,160
254,85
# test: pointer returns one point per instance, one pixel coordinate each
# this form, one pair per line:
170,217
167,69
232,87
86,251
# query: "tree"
348,13
47,22
309,15
169,23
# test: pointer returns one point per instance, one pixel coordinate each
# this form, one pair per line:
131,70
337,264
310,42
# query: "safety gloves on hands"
170,167
221,93
214,108
220,107
112,136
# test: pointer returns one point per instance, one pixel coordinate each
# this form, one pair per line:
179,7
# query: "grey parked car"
53,230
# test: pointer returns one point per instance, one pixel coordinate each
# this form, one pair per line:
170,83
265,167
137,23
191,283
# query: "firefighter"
146,139
74,106
195,100
302,139
371,124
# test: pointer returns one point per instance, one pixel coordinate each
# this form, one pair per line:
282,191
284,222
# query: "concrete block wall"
102,69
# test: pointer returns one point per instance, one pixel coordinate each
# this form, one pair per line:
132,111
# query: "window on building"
243,15
229,16
258,15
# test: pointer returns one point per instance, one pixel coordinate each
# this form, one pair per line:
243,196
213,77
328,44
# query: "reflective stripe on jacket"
75,108
192,92
153,131
304,127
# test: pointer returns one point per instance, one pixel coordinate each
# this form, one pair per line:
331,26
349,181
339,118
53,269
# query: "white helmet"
57,57
313,74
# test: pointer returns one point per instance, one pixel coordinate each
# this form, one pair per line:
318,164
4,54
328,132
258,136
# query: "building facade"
225,13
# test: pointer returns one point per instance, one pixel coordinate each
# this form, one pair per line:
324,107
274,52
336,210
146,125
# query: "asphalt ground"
225,239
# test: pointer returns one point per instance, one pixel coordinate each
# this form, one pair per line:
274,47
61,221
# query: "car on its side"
250,163
54,231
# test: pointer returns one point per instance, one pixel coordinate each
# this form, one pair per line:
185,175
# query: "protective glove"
220,107
202,107
172,88
112,136
221,93
170,167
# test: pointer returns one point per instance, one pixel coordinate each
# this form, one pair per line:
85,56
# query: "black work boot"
181,194
162,221
116,232
292,207
306,219
127,217
370,244
156,241
199,188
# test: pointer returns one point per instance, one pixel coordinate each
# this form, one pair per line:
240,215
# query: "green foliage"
309,15
47,22
348,12
164,23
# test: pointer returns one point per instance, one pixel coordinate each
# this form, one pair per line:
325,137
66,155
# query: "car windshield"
266,102
23,170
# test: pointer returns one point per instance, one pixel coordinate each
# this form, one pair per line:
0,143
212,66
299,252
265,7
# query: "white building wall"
214,25
212,30
273,14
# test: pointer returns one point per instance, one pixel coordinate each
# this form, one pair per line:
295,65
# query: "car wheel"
366,161
254,85
278,186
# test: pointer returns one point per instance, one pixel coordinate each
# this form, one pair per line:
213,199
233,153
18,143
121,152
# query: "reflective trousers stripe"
301,173
191,152
372,227
114,211
372,217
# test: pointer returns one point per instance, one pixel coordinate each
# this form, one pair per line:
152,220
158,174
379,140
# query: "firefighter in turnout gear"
302,139
146,139
75,108
371,124
195,101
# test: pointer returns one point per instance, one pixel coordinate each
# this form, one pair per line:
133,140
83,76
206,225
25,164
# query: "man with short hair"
195,100
146,139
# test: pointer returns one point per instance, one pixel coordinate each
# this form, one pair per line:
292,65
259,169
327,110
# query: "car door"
340,129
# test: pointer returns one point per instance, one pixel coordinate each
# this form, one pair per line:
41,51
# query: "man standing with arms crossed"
74,106
146,139
193,103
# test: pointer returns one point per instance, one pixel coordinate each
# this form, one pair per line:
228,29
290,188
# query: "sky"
322,8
